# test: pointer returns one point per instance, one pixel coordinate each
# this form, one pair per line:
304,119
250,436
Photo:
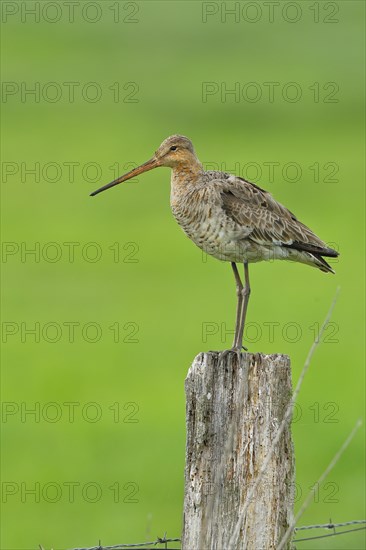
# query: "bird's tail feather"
313,249
312,254
322,264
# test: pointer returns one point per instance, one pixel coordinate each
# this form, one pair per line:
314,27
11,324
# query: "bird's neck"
185,173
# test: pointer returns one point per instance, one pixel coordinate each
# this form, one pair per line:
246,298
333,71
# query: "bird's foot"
236,350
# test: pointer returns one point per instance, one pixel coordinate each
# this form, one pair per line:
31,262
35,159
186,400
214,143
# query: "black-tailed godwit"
231,219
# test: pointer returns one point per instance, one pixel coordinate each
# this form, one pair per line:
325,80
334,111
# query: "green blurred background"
160,291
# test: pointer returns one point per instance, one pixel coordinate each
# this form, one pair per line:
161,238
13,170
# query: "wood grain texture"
233,412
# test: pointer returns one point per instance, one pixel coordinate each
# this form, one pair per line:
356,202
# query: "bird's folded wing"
271,223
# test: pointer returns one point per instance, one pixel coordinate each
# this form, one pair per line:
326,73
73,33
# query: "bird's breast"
199,213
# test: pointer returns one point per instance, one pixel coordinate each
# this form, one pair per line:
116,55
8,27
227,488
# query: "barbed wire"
136,546
330,525
164,540
333,526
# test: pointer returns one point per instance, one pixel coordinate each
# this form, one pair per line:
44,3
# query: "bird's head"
175,151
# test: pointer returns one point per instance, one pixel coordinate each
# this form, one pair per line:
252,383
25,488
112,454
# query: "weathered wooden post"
233,413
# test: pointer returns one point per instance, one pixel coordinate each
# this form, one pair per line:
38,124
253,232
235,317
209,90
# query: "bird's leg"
239,294
236,347
244,306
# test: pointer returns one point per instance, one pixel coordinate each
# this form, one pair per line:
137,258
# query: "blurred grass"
171,291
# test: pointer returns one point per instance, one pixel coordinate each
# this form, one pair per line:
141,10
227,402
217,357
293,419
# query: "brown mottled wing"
271,223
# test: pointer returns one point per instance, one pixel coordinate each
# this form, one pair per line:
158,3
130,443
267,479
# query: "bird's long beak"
149,165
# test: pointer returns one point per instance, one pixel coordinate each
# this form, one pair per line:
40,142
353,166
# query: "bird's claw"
236,350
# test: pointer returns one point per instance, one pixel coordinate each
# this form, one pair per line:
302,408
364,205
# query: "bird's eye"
173,148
